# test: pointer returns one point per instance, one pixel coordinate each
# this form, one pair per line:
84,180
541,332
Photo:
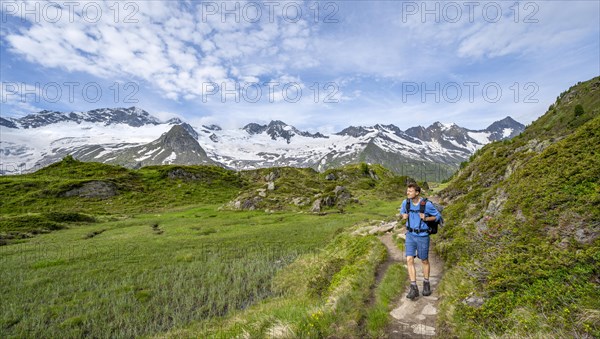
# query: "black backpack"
433,225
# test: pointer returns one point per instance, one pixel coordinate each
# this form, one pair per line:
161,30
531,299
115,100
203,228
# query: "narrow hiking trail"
414,318
410,318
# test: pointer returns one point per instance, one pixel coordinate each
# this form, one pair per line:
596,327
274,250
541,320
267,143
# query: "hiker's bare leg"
412,273
425,269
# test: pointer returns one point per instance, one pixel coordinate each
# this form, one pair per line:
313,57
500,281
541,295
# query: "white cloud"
377,40
166,115
185,50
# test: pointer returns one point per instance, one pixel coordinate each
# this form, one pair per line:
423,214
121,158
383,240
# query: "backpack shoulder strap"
422,205
407,205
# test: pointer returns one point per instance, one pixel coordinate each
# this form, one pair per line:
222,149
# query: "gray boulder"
271,176
93,189
316,206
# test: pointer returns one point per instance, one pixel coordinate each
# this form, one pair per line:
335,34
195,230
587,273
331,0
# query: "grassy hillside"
71,192
296,189
120,191
522,238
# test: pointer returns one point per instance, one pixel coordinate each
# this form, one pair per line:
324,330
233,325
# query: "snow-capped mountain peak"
441,126
278,129
355,131
212,127
254,128
504,129
174,121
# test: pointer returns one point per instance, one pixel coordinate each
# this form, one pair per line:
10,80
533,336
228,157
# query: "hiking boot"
426,288
413,292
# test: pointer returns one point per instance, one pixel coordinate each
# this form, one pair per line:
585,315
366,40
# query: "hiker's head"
413,190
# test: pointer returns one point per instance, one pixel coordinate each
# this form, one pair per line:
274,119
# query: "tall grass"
322,294
378,315
151,273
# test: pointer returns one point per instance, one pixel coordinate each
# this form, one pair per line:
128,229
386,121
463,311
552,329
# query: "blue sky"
318,65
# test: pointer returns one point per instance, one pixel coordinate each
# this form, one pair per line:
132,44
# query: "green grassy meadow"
134,278
164,257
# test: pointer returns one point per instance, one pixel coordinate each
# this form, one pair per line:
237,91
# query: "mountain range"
133,138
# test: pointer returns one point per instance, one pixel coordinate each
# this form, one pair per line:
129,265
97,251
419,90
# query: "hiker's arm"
404,211
402,216
431,212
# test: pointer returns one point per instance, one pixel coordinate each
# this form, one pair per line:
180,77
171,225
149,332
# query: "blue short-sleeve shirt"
415,220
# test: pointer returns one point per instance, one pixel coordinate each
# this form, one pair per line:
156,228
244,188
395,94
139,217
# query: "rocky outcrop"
249,204
339,197
272,176
93,189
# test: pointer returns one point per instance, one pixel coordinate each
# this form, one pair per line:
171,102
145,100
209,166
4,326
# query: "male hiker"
417,237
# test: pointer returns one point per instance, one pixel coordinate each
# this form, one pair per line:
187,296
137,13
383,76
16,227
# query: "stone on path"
429,310
423,329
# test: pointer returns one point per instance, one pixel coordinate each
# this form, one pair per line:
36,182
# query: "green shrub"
578,110
364,168
68,217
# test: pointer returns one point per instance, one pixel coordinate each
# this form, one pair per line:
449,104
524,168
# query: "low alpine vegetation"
522,241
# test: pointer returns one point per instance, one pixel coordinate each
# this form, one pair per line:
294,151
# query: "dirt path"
415,318
394,253
410,318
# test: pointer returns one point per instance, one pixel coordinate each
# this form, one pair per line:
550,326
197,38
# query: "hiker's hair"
414,186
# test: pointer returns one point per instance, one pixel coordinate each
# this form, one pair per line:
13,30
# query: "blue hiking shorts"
417,246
